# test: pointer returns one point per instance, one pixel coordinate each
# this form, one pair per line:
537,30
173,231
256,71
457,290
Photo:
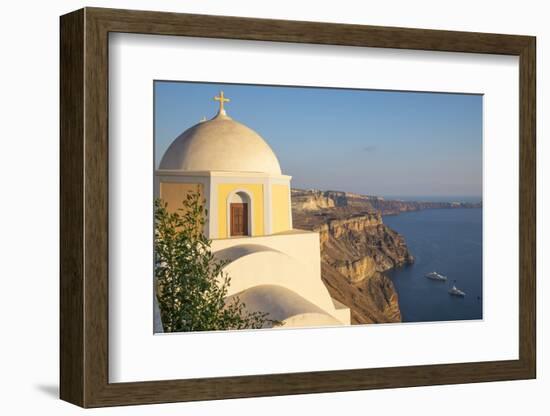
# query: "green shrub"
191,283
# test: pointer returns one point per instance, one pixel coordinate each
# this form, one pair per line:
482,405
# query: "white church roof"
220,144
284,305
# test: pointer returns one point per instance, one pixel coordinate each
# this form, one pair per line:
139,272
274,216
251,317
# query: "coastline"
359,250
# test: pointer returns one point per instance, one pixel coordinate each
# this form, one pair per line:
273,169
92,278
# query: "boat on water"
454,291
436,276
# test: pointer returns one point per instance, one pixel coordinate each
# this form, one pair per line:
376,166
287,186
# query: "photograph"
297,206
273,205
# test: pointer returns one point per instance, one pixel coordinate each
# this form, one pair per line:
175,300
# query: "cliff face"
314,200
372,300
355,249
311,201
359,246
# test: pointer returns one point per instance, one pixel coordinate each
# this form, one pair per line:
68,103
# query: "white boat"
436,276
456,292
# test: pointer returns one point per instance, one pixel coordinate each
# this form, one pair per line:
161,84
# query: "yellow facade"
256,192
175,193
280,208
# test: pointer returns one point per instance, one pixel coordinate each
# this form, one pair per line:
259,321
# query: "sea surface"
434,198
448,241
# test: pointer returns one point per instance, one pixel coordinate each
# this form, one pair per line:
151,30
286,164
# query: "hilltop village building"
273,267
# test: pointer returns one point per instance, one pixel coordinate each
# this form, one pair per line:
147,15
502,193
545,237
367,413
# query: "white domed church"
273,267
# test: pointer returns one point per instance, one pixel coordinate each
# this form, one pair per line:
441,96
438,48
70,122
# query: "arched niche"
240,206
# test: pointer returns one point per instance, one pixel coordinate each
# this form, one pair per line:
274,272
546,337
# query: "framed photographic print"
260,207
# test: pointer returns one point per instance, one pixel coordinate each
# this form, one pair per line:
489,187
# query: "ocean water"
448,241
435,198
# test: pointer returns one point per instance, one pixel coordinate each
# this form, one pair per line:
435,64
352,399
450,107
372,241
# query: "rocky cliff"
371,300
311,201
355,249
315,200
360,245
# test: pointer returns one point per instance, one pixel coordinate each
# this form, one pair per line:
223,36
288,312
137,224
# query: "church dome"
220,144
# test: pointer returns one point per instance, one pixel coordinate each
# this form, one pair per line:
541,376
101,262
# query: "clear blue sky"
371,142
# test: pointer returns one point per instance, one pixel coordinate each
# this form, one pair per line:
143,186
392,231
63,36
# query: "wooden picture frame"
84,207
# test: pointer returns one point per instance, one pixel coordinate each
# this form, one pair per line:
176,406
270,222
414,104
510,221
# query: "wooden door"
239,219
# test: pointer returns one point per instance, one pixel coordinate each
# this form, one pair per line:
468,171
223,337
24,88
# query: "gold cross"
222,100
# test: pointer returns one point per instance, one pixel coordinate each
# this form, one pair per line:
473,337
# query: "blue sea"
436,198
448,241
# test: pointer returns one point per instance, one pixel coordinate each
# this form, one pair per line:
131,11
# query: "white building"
273,267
